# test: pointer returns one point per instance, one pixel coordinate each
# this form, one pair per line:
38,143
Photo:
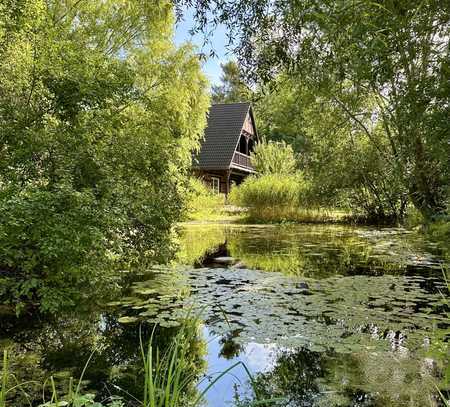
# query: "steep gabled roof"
225,122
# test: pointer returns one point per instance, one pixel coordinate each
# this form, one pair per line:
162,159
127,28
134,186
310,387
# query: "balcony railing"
242,160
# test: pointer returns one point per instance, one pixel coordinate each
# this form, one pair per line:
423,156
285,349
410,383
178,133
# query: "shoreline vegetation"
283,191
206,207
168,379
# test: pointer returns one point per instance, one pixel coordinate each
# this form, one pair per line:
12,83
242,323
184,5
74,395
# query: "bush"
52,246
202,202
94,157
267,191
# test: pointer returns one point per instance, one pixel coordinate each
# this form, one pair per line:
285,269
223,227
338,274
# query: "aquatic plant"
167,379
166,376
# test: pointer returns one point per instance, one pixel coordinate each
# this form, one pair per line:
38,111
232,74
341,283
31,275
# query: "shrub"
202,202
52,246
92,159
266,191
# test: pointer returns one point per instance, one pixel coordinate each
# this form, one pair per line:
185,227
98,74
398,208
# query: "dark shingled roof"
225,122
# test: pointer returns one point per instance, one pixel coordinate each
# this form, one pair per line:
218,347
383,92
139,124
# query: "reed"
166,374
166,378
278,198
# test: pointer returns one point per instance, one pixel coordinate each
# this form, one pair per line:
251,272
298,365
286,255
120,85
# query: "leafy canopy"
233,88
394,52
274,158
99,112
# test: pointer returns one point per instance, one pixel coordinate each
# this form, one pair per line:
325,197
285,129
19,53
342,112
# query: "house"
230,137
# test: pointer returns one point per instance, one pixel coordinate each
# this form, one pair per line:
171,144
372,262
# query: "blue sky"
219,41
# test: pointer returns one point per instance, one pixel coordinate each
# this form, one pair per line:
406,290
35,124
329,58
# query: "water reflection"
321,315
62,346
312,251
307,378
356,317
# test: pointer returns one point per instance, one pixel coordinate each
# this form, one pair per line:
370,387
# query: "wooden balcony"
242,161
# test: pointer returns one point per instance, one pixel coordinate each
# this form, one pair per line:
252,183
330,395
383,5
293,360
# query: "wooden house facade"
230,138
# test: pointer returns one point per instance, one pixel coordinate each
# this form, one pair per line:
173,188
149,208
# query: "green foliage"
266,191
394,55
52,243
348,167
440,230
97,125
202,202
277,198
168,378
280,113
74,397
274,158
233,88
166,375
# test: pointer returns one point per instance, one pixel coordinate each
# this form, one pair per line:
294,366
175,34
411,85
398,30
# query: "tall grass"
167,379
279,198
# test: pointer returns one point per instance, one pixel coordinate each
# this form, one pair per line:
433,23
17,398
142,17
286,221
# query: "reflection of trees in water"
316,251
317,254
61,348
230,347
197,242
306,378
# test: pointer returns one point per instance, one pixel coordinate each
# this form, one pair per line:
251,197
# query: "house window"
215,184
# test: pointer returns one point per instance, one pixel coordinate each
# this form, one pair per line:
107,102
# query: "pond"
321,315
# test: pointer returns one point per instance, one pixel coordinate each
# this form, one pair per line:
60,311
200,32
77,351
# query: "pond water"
321,315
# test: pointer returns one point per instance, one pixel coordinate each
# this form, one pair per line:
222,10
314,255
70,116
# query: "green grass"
277,198
293,214
203,203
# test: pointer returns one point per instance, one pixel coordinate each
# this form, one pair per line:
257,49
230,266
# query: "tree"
233,88
345,165
274,158
396,52
99,113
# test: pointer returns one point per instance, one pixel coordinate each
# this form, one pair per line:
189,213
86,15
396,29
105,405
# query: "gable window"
243,144
215,183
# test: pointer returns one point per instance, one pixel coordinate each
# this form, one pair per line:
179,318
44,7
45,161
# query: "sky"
219,41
